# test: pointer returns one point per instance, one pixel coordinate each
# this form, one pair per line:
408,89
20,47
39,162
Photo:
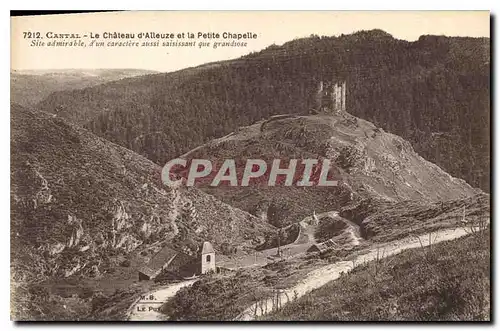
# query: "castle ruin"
331,97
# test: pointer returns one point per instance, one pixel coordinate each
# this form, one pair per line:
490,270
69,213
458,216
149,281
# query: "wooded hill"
434,92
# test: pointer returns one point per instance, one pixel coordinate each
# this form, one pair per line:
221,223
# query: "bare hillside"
434,92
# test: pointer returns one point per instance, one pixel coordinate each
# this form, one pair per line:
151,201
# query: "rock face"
77,200
369,163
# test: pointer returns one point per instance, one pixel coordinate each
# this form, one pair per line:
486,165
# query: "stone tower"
331,97
207,258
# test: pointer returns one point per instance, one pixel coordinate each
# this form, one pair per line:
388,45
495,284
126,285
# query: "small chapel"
178,264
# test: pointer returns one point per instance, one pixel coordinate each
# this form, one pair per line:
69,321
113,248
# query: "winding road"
147,306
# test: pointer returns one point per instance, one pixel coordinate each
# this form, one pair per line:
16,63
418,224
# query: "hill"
434,92
370,165
417,278
80,205
28,87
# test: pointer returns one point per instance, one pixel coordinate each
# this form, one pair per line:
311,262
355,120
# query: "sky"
271,27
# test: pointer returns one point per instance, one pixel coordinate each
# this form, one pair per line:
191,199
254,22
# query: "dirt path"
323,275
146,307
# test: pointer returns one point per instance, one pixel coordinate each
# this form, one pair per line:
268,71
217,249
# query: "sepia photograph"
250,166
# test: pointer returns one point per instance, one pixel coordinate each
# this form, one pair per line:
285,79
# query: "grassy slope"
448,281
225,296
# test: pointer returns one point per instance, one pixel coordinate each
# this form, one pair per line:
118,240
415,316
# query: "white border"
191,5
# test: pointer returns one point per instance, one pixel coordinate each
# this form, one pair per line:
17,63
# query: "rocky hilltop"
28,87
369,163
